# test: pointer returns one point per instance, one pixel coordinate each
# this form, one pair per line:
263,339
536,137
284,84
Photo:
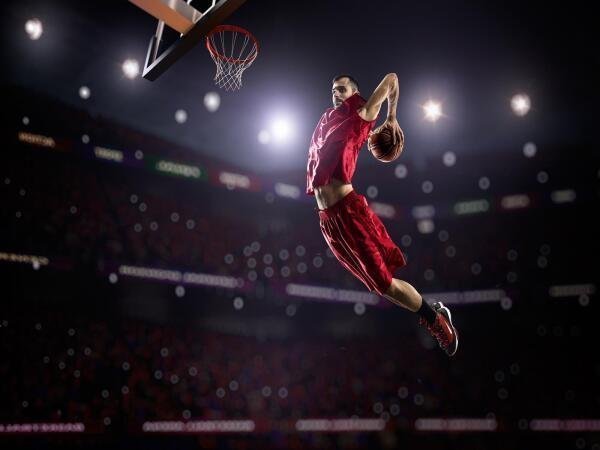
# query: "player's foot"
442,329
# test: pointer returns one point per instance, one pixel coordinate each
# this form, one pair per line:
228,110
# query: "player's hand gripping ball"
387,141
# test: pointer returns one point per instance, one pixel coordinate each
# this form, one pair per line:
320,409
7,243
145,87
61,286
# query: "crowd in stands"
118,372
88,212
71,367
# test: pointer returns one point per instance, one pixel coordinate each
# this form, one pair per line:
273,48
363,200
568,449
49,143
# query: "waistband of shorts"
338,206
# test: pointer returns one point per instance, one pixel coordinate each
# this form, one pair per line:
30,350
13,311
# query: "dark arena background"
165,284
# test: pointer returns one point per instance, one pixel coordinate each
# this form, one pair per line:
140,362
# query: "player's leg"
436,318
360,242
404,294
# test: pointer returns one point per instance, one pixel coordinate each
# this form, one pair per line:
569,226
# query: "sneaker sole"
439,307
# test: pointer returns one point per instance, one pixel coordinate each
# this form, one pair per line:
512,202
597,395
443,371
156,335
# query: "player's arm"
387,90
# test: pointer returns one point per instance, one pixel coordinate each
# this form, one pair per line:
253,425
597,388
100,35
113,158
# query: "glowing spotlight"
180,116
281,129
449,159
520,104
84,92
131,68
433,111
529,149
264,137
212,101
238,303
34,28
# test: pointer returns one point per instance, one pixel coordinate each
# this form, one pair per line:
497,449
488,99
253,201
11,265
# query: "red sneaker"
442,329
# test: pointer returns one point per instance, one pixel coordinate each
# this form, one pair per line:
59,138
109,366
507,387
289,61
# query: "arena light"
456,424
34,260
569,425
287,190
84,92
347,295
383,210
326,293
200,426
426,226
520,104
181,116
449,159
150,273
529,149
37,139
174,168
264,137
212,280
571,290
563,196
423,212
471,207
34,29
359,309
39,427
281,129
212,101
340,425
131,68
238,303
401,171
108,154
175,276
515,201
234,180
433,110
462,297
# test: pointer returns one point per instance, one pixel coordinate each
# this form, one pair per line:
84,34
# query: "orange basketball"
381,145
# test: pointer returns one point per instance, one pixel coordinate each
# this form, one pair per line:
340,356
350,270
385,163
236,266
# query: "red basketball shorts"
360,242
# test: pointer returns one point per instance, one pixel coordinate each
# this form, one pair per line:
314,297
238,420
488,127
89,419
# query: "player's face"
341,90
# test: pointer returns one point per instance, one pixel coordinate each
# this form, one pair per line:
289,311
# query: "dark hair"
353,82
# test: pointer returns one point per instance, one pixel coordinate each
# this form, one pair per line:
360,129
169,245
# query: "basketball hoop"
233,49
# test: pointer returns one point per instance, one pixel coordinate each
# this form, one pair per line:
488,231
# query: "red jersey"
335,144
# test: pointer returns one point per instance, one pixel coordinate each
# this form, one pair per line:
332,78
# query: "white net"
233,50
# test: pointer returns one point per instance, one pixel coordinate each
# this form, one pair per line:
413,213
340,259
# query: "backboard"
192,24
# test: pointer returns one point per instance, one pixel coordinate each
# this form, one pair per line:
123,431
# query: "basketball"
381,145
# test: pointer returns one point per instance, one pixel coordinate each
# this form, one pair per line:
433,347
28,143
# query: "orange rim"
236,29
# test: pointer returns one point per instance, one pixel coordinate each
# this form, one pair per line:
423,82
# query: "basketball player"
355,235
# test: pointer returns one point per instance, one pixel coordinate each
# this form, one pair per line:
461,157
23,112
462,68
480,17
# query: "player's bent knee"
391,288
